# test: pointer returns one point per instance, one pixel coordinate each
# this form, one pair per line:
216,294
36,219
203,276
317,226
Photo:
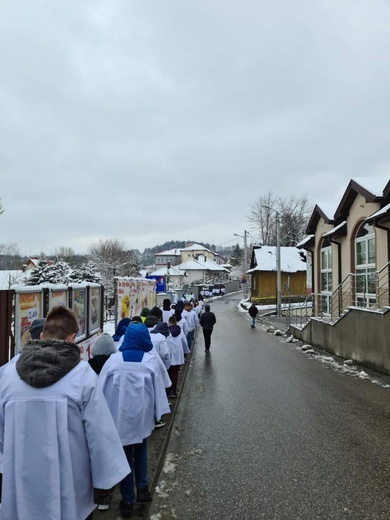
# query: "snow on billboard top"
290,259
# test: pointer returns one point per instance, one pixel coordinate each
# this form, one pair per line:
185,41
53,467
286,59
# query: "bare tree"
1,208
113,259
10,257
294,213
64,253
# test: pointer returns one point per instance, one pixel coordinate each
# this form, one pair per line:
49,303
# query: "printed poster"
134,295
58,299
94,309
80,309
29,307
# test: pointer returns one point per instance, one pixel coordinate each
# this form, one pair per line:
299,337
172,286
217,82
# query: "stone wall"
361,335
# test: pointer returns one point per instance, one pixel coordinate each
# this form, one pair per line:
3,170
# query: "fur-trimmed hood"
44,362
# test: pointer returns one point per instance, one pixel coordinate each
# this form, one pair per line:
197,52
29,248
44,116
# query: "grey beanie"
103,346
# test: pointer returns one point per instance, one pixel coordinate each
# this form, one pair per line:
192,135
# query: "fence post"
7,340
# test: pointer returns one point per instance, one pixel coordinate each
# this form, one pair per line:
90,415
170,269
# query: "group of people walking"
71,430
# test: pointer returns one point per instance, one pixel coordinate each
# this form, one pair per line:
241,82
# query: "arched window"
365,266
326,275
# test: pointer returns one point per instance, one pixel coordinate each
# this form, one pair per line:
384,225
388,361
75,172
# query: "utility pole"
278,268
278,264
245,265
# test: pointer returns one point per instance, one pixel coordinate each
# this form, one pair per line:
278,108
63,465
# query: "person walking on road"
253,311
207,322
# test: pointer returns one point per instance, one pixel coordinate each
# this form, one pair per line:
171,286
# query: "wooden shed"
263,274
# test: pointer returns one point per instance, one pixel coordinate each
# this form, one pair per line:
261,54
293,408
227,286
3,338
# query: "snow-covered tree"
294,213
85,273
49,272
215,278
1,208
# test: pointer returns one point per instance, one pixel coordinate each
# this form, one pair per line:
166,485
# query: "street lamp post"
245,262
278,265
278,268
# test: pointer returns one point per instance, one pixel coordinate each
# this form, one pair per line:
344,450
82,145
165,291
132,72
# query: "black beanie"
156,311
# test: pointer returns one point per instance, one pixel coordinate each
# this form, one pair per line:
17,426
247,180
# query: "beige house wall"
190,255
322,227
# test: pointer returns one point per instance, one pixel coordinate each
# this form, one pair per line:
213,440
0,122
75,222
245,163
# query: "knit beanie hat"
36,328
151,321
103,346
136,319
145,312
156,311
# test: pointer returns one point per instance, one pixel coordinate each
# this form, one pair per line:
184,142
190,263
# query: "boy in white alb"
57,435
133,386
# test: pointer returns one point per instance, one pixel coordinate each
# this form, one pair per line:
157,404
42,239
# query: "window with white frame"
365,294
326,276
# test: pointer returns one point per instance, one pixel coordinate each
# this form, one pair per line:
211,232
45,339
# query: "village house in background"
348,251
178,256
263,274
192,272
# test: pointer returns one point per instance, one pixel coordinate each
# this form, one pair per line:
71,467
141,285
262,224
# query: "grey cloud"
122,117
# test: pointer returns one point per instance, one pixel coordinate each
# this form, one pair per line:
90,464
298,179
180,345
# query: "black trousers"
207,337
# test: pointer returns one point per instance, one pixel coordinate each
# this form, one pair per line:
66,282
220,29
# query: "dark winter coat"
253,311
44,362
97,362
207,320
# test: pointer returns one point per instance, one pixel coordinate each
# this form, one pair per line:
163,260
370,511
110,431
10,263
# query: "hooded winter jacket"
56,433
207,319
133,386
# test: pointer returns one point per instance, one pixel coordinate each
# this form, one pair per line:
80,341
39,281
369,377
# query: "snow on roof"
169,252
336,228
304,241
195,247
374,185
380,212
201,265
163,271
290,259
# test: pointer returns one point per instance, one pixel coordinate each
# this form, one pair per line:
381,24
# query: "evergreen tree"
49,272
237,255
86,272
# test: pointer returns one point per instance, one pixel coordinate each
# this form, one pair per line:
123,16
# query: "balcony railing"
344,296
382,282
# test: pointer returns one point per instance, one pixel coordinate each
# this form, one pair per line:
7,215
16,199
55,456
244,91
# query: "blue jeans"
190,336
137,457
253,321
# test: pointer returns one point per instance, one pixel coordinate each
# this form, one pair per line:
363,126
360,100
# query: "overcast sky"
157,120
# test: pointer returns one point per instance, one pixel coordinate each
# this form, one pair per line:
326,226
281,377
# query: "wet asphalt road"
263,432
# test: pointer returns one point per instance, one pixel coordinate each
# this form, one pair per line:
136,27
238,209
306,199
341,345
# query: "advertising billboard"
28,307
133,294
